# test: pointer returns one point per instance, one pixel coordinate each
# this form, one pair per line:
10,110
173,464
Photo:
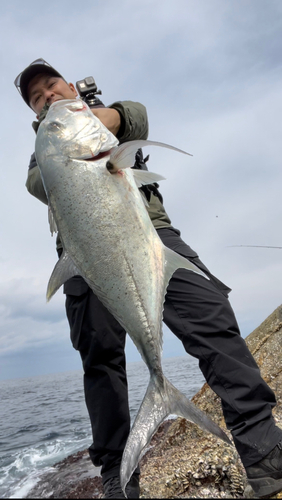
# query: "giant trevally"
109,240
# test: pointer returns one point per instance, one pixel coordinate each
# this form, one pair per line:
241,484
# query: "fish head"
71,130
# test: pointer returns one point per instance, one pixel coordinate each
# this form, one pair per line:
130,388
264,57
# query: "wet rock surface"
183,461
73,477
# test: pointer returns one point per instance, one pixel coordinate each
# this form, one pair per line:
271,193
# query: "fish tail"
161,400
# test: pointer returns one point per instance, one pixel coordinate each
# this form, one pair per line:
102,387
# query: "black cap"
35,68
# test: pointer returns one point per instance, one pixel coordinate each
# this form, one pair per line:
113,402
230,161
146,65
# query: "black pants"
198,312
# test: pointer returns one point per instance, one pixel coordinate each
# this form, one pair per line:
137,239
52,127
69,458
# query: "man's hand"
109,117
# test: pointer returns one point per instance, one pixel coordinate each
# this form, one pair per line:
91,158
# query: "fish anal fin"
63,271
174,261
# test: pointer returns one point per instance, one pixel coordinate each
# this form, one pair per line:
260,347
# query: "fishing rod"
254,246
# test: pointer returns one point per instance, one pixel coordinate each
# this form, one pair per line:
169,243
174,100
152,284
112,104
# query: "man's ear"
72,87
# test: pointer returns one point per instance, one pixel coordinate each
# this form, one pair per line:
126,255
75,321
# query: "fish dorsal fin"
123,156
63,271
174,261
143,177
52,223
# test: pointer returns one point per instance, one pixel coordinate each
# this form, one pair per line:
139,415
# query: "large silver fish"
109,240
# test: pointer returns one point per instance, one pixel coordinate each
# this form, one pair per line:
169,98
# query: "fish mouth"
99,155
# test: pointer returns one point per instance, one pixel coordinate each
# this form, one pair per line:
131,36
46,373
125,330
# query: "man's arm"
134,121
127,120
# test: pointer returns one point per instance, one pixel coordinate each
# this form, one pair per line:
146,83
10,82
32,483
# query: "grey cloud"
210,76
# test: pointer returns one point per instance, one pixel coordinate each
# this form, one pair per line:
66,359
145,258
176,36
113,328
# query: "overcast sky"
209,73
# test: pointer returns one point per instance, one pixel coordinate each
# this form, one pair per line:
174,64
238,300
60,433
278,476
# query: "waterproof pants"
198,312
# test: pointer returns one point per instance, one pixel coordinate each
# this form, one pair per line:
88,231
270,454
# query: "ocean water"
44,419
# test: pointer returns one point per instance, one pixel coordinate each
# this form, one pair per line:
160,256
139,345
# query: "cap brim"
30,73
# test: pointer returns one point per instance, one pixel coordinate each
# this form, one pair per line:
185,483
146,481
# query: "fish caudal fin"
160,401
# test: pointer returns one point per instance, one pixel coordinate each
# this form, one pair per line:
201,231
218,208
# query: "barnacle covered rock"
185,462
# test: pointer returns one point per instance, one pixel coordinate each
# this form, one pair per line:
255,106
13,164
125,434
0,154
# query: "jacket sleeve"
34,182
134,120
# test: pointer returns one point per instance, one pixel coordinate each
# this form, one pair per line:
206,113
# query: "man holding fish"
196,306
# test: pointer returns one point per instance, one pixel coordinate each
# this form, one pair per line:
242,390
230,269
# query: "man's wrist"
109,117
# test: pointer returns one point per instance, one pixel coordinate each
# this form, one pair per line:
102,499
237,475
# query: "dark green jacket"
134,125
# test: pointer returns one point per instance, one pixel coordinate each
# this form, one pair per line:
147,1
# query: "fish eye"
55,126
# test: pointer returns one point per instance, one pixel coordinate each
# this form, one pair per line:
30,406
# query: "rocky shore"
183,461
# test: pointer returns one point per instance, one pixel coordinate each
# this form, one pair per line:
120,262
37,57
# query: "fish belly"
107,232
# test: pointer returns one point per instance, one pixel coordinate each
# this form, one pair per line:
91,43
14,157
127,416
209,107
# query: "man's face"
45,88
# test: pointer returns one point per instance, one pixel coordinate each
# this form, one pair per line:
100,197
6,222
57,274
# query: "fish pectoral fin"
123,156
63,271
